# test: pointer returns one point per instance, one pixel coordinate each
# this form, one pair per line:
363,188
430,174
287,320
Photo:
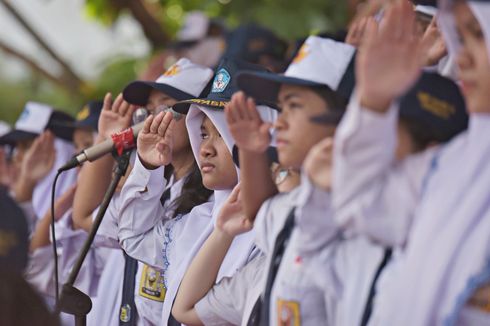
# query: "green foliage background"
289,19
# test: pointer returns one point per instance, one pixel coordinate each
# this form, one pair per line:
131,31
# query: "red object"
123,140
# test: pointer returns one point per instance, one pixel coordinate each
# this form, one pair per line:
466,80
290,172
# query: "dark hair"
336,103
193,193
421,134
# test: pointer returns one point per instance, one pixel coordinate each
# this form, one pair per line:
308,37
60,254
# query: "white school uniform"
423,204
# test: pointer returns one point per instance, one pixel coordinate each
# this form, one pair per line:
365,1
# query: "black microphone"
120,141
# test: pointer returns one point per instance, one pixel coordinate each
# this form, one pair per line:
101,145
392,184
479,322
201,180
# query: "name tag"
151,284
288,313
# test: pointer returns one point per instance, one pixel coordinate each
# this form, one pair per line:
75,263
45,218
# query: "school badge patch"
172,71
221,80
151,284
83,114
302,54
288,313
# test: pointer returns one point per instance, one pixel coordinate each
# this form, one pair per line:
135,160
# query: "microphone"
120,141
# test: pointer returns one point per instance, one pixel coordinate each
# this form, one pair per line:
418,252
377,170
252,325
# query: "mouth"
207,167
467,86
280,142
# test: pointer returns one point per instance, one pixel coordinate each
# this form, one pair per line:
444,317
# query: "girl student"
433,206
171,244
140,287
303,92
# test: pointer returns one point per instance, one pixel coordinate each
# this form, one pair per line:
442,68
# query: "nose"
464,59
207,149
280,123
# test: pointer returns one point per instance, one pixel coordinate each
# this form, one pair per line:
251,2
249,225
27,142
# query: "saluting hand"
115,116
155,141
247,128
318,164
231,219
39,158
388,63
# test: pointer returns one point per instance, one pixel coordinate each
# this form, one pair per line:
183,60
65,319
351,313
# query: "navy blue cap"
249,42
137,92
88,116
14,235
223,86
436,103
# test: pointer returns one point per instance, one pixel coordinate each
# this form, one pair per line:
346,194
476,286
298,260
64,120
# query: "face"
181,138
473,60
82,139
217,167
296,134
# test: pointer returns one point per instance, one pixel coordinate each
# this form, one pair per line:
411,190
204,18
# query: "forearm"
23,189
200,277
255,181
94,179
40,237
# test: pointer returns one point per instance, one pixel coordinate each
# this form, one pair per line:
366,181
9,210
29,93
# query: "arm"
251,136
201,274
96,176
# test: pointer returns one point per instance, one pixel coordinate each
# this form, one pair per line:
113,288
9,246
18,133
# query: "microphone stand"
72,300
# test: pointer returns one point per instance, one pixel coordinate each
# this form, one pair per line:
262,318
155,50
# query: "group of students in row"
349,190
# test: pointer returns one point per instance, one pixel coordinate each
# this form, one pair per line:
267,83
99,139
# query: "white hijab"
41,197
448,248
243,245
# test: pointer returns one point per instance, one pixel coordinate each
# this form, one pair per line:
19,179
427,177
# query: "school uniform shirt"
434,206
229,300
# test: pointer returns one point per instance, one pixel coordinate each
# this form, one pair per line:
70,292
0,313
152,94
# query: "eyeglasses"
142,113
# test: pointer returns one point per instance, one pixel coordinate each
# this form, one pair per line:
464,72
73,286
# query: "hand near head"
39,158
247,128
115,116
388,63
433,45
155,141
318,164
356,31
231,219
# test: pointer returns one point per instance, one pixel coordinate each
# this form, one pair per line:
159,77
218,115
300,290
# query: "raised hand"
318,164
39,158
231,219
115,116
433,45
155,141
356,31
247,128
388,63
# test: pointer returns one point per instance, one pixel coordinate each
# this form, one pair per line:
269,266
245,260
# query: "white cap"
428,10
4,128
34,118
183,80
195,27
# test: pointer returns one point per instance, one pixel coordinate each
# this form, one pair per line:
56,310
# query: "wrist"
375,103
147,165
223,236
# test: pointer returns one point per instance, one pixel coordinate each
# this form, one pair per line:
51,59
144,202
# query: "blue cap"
88,116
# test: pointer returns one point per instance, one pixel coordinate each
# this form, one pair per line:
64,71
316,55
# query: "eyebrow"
289,96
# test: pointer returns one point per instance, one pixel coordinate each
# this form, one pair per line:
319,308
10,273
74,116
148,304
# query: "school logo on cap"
84,113
221,80
302,53
172,71
24,115
437,107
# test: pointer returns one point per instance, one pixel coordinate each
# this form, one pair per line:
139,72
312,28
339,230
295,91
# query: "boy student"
434,205
303,92
180,190
170,244
41,134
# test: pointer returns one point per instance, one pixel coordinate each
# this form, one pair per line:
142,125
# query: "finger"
235,103
241,108
228,115
169,133
234,194
164,124
250,112
107,102
146,126
124,108
370,32
117,103
156,122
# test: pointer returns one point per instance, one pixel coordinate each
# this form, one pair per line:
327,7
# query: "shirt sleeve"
373,194
141,225
225,303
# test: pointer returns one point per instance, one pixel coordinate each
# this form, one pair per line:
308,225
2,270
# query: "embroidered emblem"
221,80
83,114
151,284
125,314
437,107
302,54
172,71
288,313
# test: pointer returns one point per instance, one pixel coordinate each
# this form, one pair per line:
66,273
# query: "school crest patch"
172,71
151,284
83,114
302,54
288,313
221,80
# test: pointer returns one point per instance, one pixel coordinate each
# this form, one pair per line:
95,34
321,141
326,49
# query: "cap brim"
183,106
137,92
264,86
15,136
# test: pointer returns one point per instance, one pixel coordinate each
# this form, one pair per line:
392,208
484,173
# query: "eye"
204,135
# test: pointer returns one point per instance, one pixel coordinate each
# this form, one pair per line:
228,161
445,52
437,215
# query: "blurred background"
65,52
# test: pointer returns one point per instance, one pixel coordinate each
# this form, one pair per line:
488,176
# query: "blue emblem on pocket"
221,80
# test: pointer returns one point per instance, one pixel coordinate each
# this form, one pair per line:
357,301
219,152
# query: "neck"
182,163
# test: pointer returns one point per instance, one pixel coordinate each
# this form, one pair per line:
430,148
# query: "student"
428,205
184,80
171,244
40,132
302,93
